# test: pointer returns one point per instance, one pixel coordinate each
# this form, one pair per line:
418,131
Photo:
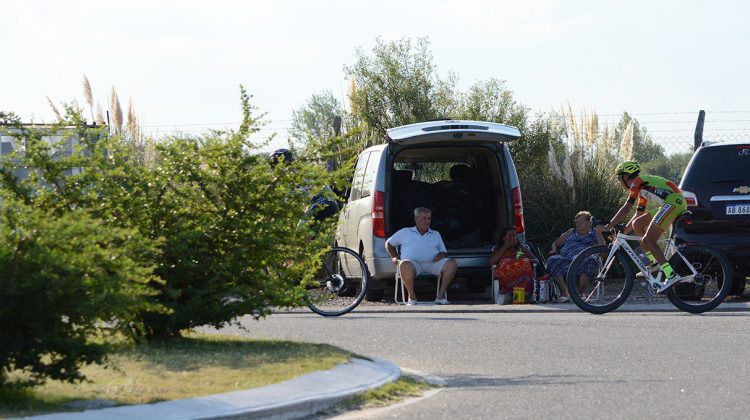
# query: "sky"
181,62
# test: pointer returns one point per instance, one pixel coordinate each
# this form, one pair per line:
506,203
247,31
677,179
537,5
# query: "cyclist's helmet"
280,154
629,167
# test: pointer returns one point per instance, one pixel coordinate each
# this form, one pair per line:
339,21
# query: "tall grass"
126,126
116,111
88,95
579,176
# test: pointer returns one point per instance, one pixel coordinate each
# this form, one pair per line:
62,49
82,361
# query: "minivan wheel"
374,295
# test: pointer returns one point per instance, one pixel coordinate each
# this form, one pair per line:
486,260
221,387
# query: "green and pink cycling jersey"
651,187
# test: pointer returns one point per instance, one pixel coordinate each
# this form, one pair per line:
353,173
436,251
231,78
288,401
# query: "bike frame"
620,242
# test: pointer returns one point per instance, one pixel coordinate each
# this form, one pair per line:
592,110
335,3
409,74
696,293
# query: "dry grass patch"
197,365
388,394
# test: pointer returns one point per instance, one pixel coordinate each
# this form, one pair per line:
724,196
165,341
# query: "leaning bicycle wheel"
340,283
710,285
597,288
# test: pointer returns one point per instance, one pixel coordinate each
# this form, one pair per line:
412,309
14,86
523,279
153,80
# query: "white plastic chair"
400,283
497,298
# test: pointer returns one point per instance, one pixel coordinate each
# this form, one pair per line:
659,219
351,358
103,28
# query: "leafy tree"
490,100
530,153
651,155
9,118
314,120
670,167
644,148
396,85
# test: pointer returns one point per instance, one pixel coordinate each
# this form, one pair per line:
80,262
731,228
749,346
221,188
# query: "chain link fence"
684,143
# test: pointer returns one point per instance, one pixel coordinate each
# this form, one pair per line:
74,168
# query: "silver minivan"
461,170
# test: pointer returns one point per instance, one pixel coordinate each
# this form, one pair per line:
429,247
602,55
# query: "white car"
461,170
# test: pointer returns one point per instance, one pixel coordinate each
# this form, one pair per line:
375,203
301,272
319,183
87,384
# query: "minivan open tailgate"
453,130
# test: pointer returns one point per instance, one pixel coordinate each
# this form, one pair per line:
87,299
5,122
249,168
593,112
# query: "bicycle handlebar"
617,228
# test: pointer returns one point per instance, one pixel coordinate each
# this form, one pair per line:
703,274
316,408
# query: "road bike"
340,283
706,272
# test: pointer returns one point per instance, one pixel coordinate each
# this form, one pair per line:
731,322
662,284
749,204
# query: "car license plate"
736,209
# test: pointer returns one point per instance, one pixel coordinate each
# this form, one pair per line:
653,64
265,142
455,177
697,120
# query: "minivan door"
453,130
349,214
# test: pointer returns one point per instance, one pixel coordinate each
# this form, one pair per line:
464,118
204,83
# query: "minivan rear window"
729,163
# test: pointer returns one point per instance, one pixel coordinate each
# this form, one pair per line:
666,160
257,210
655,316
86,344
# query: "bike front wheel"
598,288
710,285
340,283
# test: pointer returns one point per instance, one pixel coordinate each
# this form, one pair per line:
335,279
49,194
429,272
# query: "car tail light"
378,214
518,211
690,198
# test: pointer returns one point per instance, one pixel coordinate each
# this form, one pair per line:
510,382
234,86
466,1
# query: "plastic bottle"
543,290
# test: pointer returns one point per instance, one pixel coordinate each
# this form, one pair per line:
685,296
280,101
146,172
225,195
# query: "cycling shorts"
674,205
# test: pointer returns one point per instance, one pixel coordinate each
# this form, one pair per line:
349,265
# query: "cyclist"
321,206
642,188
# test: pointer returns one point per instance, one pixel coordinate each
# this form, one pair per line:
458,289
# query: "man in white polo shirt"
422,251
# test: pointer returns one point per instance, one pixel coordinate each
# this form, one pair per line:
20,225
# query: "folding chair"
495,287
497,297
537,270
420,276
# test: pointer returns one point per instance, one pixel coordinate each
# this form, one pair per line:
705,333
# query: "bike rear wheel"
340,283
604,288
709,287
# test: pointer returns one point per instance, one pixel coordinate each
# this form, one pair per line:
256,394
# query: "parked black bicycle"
339,284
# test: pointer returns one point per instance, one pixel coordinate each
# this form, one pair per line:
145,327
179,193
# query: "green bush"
66,282
225,225
233,241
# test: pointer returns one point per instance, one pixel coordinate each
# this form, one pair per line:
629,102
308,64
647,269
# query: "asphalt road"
503,362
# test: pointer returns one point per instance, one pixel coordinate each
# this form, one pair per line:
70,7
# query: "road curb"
297,398
461,308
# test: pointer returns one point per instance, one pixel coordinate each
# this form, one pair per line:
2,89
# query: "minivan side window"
370,173
358,178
